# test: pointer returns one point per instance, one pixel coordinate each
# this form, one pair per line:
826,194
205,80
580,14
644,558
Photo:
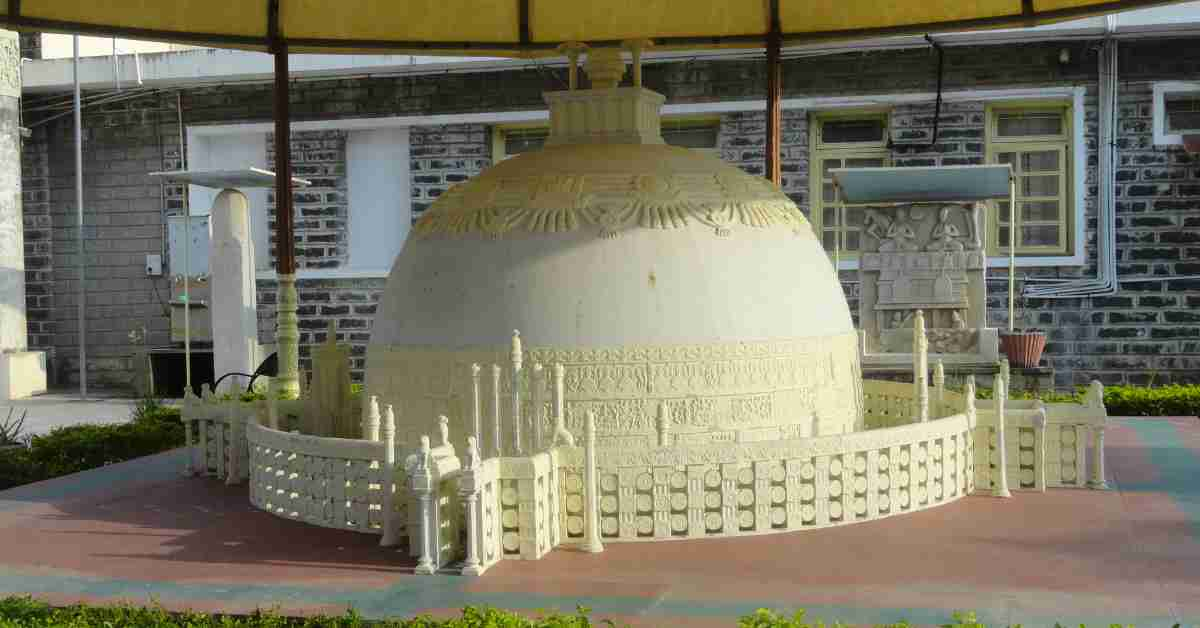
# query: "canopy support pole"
1012,251
774,98
287,335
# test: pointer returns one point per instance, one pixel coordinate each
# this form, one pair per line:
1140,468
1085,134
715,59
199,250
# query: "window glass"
850,130
1183,113
691,135
1018,124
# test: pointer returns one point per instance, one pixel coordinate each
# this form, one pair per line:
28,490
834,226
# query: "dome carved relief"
512,199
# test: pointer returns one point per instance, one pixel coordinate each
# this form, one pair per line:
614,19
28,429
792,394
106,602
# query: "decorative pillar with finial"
591,488
572,50
515,357
1000,489
496,449
389,478
371,420
920,368
423,486
468,490
537,384
476,418
1095,401
939,386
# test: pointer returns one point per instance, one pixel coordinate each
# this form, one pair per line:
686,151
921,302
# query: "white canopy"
864,186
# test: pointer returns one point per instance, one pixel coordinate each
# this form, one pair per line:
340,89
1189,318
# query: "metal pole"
81,292
837,232
1012,249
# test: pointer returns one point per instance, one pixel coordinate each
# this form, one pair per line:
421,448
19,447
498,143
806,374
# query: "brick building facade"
1148,332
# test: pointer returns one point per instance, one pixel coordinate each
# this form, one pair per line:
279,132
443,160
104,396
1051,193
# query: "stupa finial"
605,67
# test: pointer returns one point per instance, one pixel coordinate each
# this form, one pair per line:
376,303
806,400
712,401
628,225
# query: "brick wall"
320,211
1145,332
349,303
444,155
123,221
39,234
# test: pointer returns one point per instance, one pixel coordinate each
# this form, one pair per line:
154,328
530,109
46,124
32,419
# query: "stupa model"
656,275
686,368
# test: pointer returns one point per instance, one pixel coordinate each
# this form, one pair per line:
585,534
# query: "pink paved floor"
1128,554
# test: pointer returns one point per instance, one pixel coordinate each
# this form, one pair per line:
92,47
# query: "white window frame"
1161,136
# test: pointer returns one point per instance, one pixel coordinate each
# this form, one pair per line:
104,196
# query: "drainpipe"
81,291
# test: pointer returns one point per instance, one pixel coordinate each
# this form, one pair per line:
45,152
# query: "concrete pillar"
234,309
22,372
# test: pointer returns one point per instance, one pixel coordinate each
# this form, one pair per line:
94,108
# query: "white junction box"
154,265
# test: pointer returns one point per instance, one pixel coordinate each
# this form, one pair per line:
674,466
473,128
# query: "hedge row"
24,612
1175,400
75,448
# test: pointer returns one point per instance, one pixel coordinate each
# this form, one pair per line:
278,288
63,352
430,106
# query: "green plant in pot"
1023,345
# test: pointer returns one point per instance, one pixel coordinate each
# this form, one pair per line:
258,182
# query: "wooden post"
774,97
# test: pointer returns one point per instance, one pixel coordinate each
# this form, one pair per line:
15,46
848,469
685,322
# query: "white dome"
658,272
681,285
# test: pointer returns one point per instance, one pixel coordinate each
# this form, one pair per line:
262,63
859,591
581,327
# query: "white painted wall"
228,152
380,195
378,185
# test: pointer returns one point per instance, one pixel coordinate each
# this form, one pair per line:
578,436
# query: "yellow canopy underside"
529,28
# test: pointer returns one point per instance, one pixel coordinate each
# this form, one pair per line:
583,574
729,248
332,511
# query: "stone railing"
215,432
330,482
1047,445
750,488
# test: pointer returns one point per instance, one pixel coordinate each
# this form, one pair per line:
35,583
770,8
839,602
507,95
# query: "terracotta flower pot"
1023,349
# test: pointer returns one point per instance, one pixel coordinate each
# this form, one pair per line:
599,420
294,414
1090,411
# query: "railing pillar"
1095,401
469,491
537,384
515,357
189,410
939,387
1097,480
591,486
496,447
422,484
475,412
1000,488
920,368
389,479
371,421
1039,448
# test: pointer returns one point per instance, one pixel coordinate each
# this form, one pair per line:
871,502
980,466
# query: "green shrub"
23,612
1176,400
154,428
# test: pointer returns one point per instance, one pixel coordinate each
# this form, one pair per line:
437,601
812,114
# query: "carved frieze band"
722,390
502,207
